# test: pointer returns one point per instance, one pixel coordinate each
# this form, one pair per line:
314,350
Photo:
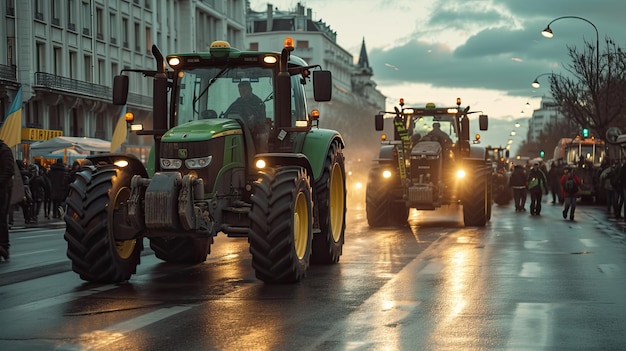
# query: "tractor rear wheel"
377,199
331,208
477,199
95,212
281,225
181,250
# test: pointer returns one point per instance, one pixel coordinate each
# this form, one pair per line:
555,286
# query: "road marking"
531,327
33,236
530,269
432,268
589,242
57,300
34,252
608,269
104,338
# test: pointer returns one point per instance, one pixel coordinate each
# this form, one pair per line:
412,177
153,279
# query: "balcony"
56,22
86,31
69,85
39,16
71,26
8,73
73,86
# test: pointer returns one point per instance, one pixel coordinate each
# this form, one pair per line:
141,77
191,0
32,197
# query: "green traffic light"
585,132
541,153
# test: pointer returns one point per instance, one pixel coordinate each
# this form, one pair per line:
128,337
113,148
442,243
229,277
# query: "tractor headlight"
171,163
386,174
200,162
460,174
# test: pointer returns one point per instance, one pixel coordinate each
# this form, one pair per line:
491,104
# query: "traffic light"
541,153
585,132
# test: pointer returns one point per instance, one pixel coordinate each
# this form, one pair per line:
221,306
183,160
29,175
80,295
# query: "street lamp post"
547,32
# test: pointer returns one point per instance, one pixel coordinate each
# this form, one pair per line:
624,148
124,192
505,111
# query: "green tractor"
221,163
424,168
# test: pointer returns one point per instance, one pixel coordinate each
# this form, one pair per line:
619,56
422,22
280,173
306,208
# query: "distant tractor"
586,155
424,168
256,168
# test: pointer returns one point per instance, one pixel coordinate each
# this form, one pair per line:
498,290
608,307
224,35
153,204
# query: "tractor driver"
438,135
252,110
250,107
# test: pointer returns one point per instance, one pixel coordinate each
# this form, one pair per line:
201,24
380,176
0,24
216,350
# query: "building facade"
546,115
65,53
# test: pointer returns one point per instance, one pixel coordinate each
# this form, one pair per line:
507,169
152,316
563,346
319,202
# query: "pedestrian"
37,189
7,170
59,177
47,191
554,175
570,183
607,186
517,182
617,184
537,185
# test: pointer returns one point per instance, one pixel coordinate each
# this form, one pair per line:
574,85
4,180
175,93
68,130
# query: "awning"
80,145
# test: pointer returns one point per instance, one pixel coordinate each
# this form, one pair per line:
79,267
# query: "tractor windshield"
204,93
434,126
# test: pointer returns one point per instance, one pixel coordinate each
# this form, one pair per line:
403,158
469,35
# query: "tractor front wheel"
281,225
96,210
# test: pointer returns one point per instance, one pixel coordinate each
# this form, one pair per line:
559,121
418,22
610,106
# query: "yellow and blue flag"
11,131
120,132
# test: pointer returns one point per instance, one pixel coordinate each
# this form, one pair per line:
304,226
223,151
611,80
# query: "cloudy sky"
487,52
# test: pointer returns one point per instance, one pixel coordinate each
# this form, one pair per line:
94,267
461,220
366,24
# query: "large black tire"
95,211
379,200
376,200
281,225
476,199
181,250
398,214
331,208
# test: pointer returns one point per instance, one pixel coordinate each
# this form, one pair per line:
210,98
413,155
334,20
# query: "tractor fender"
275,160
134,165
385,153
315,147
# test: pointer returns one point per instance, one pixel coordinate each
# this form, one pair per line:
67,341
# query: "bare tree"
595,95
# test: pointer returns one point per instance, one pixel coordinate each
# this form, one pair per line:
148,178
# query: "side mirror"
322,85
483,122
378,122
120,90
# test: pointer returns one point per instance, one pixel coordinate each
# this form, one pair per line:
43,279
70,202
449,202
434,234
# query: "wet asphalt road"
520,283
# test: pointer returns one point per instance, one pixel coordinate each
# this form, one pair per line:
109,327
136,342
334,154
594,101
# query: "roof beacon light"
288,44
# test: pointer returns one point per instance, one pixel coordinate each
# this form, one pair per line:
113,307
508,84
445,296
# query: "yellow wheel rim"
124,248
300,225
337,201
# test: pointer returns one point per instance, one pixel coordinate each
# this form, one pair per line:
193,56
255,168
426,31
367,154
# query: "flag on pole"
119,134
11,131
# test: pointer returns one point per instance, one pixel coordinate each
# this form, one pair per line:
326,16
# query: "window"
302,44
86,18
137,37
41,58
101,73
56,12
58,61
148,41
10,7
88,69
39,10
254,46
125,32
54,114
71,15
73,63
99,24
113,27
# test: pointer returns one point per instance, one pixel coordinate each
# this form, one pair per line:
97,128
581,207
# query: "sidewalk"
42,222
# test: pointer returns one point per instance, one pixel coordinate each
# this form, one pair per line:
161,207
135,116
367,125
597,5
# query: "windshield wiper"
219,74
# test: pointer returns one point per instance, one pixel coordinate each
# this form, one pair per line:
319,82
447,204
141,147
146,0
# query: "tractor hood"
202,130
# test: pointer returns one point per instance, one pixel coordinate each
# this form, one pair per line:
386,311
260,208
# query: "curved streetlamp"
535,84
547,32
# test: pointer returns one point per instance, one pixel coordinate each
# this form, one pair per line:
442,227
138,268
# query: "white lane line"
102,339
589,242
530,269
609,269
34,252
33,236
57,300
531,328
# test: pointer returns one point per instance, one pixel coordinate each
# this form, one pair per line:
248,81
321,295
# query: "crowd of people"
535,179
44,190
